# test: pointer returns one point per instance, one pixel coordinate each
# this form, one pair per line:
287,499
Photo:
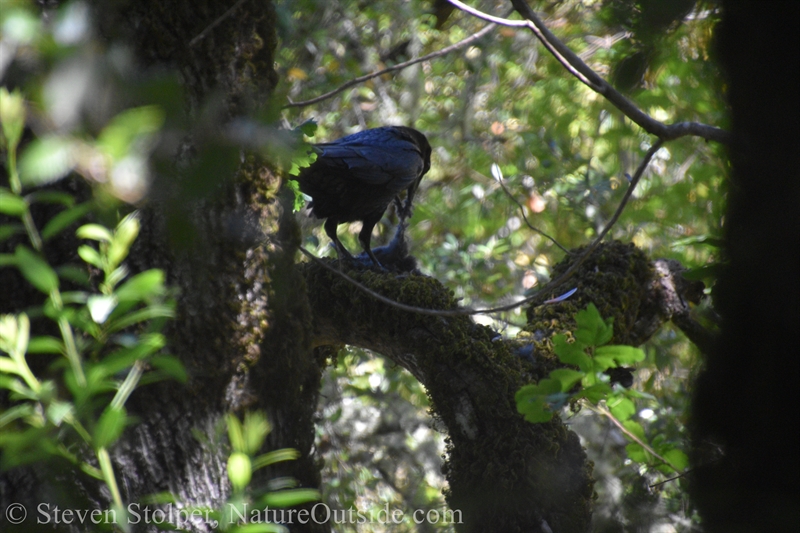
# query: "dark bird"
357,177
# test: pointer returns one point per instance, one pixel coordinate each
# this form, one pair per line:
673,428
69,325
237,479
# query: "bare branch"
525,218
576,66
444,51
538,297
631,435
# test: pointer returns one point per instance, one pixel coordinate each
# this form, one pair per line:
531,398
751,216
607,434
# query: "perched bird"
357,177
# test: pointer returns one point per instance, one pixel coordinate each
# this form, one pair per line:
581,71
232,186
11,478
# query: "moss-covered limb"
505,474
624,284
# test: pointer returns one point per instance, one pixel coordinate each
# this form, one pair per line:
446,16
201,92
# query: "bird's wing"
383,161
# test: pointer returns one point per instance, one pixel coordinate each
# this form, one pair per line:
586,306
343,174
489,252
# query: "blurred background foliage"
564,154
503,102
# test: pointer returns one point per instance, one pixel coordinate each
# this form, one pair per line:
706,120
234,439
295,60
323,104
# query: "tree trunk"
747,465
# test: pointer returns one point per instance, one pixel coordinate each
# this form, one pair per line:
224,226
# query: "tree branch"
576,66
400,66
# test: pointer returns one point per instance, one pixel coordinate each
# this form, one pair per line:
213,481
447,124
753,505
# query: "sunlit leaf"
94,232
141,286
239,470
11,204
47,159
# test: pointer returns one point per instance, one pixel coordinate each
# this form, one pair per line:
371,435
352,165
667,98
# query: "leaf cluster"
589,357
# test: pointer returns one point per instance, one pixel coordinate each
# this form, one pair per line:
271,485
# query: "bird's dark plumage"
357,177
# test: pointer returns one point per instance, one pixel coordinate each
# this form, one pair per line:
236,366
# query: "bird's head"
419,139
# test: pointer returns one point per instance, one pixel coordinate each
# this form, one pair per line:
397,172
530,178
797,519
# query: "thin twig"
631,435
380,297
525,218
578,68
214,24
585,254
669,479
461,44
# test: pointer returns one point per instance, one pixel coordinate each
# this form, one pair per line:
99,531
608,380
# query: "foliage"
246,438
379,447
590,352
110,338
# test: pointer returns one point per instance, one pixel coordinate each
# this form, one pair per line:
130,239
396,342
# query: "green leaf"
240,470
635,428
109,427
308,128
572,353
57,411
276,456
235,433
36,270
9,230
618,354
90,255
51,197
254,430
299,198
9,366
12,111
23,410
595,392
534,401
62,220
637,453
171,366
677,458
141,286
567,377
11,204
290,498
47,159
45,344
75,274
124,235
124,358
148,313
117,137
592,330
94,232
115,276
622,408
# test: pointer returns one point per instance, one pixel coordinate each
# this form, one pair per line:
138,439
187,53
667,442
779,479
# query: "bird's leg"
398,207
341,251
364,236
